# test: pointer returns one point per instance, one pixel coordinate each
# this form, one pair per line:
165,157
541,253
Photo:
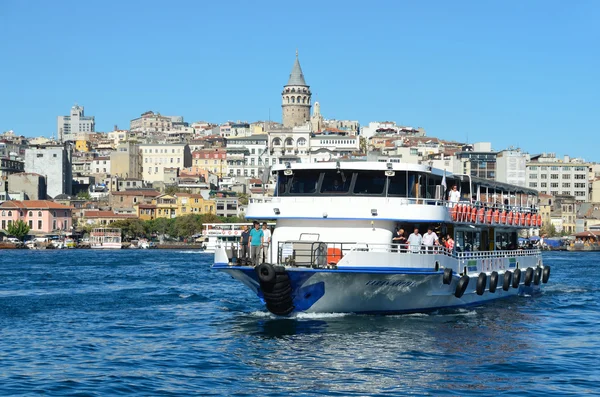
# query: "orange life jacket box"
333,255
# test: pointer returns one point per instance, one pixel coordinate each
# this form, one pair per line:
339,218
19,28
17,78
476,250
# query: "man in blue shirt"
256,241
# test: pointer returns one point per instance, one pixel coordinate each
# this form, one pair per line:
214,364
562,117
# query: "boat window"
433,181
282,183
370,182
304,182
467,241
335,182
397,185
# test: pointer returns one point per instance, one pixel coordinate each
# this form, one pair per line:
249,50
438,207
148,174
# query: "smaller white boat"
105,238
227,235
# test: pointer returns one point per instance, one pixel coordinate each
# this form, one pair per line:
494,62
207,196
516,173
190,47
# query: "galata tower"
295,98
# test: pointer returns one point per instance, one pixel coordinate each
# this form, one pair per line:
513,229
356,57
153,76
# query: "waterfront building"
166,206
102,218
42,216
248,156
55,163
389,128
295,98
125,201
150,123
100,167
188,203
213,160
158,157
68,127
476,160
595,190
511,167
126,161
548,174
30,185
227,206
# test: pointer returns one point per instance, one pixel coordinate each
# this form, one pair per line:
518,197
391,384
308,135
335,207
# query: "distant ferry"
105,238
332,249
227,235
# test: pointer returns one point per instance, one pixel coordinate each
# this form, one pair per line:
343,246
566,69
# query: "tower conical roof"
296,77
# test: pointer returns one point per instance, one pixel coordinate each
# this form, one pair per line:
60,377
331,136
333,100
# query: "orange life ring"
496,216
509,218
528,220
539,220
455,211
522,219
480,215
503,218
489,216
473,214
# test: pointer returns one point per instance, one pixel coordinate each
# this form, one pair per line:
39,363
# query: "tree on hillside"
18,229
84,195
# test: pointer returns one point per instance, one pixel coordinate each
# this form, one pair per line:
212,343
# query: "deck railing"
326,254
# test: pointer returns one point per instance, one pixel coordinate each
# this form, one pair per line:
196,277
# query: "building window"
30,224
580,194
54,224
553,176
579,176
39,225
9,213
543,184
554,184
566,185
533,176
532,184
566,176
30,213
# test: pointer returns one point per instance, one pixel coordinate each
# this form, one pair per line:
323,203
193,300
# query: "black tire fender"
481,283
545,274
493,282
507,280
447,279
266,273
461,287
528,276
516,278
537,276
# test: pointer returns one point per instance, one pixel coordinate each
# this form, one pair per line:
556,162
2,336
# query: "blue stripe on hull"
306,296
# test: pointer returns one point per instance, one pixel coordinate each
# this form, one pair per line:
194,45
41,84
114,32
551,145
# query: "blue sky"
520,73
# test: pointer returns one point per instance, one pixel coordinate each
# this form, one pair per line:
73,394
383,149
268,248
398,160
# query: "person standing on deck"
429,240
245,242
266,241
256,241
454,195
415,240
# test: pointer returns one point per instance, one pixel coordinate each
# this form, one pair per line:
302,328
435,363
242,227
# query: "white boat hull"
115,246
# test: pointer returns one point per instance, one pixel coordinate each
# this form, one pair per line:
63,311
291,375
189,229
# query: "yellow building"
166,206
82,145
188,203
171,206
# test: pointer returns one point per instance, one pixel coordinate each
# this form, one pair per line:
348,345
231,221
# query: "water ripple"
92,323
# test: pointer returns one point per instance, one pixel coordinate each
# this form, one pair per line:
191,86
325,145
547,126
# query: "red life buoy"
503,218
509,218
455,211
528,220
488,216
480,215
539,220
496,216
473,214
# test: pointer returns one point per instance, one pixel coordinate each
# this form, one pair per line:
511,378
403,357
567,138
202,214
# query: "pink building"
42,216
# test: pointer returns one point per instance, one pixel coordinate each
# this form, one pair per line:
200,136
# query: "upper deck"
383,191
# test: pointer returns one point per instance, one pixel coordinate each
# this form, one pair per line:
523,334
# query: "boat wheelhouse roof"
498,185
393,166
360,165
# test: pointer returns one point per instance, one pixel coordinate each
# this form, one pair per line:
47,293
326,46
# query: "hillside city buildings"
165,167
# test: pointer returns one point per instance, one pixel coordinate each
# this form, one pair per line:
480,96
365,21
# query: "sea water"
154,322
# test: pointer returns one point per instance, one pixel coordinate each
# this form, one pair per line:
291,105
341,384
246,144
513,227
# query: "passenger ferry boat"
226,235
332,249
105,238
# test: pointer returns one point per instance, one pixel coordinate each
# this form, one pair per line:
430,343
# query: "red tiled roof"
34,204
